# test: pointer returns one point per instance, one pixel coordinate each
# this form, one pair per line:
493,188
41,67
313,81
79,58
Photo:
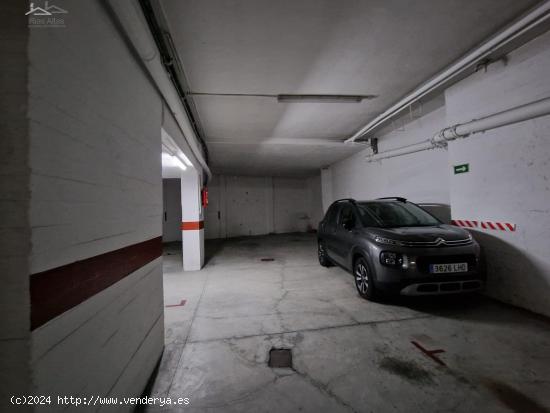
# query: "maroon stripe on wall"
57,290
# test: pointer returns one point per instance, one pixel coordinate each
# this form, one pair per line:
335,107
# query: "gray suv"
392,245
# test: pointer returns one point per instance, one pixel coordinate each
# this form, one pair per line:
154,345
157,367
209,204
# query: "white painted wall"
14,207
509,178
420,177
290,205
315,200
261,205
171,202
327,197
95,122
510,174
248,205
214,225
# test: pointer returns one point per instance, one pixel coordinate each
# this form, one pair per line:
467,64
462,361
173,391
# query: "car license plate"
447,268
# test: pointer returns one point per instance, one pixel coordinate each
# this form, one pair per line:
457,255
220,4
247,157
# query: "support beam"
192,217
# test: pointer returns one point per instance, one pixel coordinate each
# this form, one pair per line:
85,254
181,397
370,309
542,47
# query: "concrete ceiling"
380,47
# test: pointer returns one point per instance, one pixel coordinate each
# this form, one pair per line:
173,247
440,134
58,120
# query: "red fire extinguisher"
204,196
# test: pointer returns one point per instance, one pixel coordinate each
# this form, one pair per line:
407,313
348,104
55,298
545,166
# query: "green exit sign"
462,169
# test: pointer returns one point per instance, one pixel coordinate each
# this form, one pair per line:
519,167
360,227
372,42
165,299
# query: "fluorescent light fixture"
323,98
185,159
171,160
179,163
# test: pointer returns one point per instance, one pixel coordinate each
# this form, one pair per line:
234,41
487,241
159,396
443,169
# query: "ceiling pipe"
462,130
331,143
526,23
130,17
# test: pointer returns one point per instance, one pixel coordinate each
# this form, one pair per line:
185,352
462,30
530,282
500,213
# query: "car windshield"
391,214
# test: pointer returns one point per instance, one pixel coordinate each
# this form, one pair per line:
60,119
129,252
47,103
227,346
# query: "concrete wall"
171,201
291,209
420,177
510,174
95,122
315,200
14,206
509,171
261,205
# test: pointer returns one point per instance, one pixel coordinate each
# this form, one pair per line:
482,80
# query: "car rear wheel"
324,260
363,279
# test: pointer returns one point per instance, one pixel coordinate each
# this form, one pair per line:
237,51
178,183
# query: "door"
329,230
346,231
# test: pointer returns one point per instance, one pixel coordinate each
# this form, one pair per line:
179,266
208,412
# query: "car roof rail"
397,198
345,200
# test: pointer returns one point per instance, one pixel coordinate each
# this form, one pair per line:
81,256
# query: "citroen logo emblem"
440,241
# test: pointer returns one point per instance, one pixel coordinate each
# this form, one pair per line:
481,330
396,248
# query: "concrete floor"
348,354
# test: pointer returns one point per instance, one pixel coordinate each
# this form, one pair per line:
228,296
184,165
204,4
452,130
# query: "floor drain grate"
267,259
280,358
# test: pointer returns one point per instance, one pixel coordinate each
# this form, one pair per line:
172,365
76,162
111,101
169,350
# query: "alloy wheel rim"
362,278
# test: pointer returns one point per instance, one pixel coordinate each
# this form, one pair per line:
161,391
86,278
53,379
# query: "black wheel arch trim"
357,252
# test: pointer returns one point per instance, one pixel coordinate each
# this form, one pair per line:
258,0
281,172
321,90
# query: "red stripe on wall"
192,225
57,290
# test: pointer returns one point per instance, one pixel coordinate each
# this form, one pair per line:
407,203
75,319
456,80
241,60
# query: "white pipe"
507,117
521,26
419,147
131,18
392,153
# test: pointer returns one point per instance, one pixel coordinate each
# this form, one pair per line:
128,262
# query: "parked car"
394,246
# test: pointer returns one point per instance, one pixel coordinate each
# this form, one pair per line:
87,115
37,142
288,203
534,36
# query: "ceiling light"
179,163
185,159
171,160
323,98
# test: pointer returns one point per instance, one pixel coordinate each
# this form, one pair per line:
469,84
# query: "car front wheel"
363,279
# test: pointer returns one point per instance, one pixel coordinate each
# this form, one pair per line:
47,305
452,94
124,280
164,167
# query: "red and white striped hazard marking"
502,226
497,226
464,223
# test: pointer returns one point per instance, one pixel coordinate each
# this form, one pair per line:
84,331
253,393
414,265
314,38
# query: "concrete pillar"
192,217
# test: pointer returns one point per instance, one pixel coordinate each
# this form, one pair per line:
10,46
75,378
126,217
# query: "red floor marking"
430,353
181,304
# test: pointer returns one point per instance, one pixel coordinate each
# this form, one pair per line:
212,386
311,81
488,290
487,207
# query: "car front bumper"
415,278
434,285
437,287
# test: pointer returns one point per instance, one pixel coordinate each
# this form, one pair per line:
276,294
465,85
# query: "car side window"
331,215
347,217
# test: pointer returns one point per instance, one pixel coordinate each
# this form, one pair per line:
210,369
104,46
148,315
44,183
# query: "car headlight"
391,259
387,241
